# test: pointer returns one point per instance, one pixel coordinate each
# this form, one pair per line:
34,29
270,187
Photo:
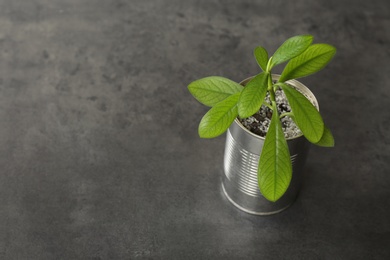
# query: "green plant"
229,99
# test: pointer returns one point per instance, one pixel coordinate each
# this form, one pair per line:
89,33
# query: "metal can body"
241,158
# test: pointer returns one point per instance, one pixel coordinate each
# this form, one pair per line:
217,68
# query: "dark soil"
259,122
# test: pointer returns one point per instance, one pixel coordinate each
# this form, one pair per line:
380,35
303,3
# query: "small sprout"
260,102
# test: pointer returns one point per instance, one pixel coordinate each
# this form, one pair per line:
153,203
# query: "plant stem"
271,89
268,69
268,105
286,114
279,84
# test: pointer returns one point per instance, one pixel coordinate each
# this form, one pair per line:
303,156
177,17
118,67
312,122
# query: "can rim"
297,84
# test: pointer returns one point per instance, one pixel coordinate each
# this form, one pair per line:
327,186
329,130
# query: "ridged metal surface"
241,167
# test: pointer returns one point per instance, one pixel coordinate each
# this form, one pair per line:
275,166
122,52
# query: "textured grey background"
99,153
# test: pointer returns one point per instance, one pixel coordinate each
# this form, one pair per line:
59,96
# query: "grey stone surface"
99,152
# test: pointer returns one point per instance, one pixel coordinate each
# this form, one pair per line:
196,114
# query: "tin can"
241,158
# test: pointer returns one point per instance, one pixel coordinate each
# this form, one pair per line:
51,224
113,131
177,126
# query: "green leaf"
306,116
291,48
261,56
253,95
327,139
275,170
211,90
315,58
218,119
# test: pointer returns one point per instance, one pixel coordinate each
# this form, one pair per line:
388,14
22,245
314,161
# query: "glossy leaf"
252,96
291,48
306,116
218,119
275,169
327,139
261,56
315,58
212,90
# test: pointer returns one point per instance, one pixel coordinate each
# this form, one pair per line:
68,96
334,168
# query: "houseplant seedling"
229,100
